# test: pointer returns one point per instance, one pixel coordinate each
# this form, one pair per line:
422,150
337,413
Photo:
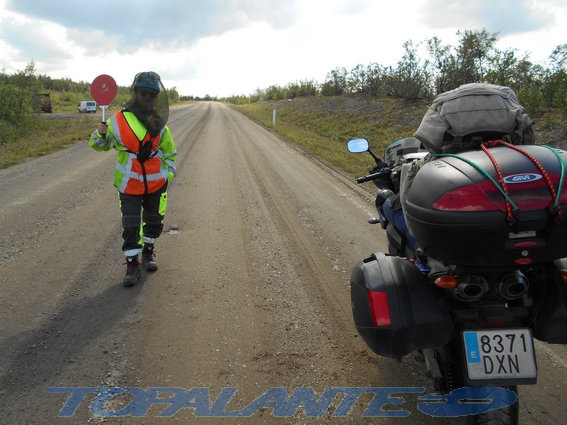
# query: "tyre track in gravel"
237,302
281,207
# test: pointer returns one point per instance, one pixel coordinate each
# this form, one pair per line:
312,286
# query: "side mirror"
358,145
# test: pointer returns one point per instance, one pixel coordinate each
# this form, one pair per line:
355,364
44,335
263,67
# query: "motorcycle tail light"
379,308
446,282
485,196
564,274
466,198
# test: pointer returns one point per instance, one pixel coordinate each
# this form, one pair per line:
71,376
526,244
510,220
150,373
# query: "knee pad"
153,225
150,218
130,221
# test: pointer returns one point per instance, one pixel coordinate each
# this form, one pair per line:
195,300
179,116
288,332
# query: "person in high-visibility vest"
144,168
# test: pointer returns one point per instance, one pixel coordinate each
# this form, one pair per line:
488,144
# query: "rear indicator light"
379,308
446,282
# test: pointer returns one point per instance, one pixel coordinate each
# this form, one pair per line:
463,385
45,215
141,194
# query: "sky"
234,47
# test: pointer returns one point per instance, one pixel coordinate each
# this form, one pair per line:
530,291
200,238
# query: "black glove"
145,151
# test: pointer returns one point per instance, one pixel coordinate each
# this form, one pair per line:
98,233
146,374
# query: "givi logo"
522,178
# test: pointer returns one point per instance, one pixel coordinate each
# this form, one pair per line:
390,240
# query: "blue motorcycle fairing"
396,217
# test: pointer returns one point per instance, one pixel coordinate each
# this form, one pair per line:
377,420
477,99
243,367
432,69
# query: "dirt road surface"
252,291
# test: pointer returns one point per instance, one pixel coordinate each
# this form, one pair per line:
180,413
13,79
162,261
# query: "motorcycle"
475,268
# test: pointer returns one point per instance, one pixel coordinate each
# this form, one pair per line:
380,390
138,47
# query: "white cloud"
224,47
28,39
504,16
533,27
92,43
352,7
166,22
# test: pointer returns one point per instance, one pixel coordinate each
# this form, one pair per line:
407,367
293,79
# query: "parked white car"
87,106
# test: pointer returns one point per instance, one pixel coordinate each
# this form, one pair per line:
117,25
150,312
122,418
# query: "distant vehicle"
46,103
87,106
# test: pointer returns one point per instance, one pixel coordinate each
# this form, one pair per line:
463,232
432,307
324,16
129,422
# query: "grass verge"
320,125
323,125
52,135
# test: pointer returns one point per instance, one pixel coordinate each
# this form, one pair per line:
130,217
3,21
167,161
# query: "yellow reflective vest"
127,135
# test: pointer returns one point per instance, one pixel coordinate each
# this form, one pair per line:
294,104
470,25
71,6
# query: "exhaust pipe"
513,286
472,289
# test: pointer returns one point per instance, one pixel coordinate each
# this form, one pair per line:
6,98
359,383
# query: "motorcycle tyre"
509,415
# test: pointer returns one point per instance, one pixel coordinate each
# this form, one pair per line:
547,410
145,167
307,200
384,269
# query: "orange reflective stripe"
129,138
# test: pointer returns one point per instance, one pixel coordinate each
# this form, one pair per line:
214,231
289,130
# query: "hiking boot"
148,261
132,271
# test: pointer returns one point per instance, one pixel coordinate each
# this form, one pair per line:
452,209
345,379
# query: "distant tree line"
20,99
207,97
475,59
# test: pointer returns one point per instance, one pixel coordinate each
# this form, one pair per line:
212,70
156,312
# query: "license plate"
500,354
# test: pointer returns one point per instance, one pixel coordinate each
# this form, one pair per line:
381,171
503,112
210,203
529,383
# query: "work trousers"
142,219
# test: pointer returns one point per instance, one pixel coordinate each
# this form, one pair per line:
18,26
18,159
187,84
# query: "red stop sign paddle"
103,91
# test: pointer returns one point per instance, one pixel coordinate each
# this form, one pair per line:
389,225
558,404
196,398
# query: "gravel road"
252,291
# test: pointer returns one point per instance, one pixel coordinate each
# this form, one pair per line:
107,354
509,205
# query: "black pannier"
394,309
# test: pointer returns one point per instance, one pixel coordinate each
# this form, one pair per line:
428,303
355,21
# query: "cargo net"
512,211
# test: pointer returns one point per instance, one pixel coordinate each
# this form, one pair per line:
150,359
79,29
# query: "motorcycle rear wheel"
508,415
451,368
